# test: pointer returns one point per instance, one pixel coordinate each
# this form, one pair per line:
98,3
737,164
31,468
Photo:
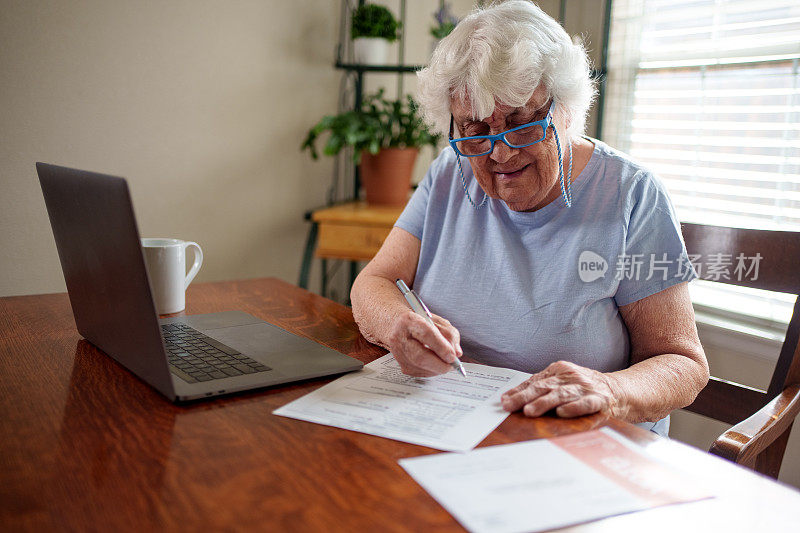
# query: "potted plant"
385,136
372,28
445,23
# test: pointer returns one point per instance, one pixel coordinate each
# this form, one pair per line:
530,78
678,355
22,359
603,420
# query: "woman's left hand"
570,389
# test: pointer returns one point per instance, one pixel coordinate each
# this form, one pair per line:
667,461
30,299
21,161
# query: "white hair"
504,52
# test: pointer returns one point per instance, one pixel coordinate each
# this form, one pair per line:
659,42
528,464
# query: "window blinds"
706,93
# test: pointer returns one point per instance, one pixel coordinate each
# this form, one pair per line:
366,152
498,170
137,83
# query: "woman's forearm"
421,347
376,302
669,366
376,305
649,390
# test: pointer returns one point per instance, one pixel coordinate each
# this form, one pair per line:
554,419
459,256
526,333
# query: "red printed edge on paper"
643,477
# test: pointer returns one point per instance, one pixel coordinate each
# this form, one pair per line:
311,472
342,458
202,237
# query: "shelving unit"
351,97
345,182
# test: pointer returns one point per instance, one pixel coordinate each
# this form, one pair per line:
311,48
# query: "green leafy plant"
372,20
445,22
380,123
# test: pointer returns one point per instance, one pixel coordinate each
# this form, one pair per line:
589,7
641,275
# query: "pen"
419,307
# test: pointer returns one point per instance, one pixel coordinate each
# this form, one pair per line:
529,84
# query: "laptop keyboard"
196,357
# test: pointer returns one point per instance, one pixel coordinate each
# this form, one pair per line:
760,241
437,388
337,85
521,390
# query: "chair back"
777,254
762,419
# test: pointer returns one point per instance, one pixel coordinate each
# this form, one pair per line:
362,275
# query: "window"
706,93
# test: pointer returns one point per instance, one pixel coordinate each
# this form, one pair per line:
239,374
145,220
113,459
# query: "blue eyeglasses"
518,137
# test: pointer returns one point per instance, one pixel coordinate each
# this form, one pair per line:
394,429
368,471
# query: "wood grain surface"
354,230
359,213
85,445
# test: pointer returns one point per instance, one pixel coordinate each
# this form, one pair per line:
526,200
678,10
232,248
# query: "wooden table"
85,445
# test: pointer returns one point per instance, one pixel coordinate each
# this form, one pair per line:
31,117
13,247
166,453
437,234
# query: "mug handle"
198,261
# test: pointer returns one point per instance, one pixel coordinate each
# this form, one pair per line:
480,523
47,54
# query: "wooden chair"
762,419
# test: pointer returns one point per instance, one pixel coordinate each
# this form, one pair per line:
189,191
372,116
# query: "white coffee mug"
166,265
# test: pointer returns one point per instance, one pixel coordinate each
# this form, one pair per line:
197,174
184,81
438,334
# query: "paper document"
446,412
549,483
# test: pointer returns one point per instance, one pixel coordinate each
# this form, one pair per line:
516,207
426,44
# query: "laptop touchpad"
284,351
260,339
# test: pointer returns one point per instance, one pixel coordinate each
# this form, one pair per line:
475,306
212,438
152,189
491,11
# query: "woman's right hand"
422,350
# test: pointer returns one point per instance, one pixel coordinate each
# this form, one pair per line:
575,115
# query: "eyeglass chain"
566,190
464,184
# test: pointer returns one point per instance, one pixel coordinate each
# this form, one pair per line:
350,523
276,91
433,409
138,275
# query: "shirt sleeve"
654,257
412,218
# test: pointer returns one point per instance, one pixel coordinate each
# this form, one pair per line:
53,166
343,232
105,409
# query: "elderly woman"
548,251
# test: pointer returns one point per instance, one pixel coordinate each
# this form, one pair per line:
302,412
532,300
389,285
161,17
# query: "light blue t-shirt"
526,289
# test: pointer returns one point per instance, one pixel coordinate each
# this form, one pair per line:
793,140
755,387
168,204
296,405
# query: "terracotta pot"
386,176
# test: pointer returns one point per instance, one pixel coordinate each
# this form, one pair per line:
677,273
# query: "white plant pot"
370,50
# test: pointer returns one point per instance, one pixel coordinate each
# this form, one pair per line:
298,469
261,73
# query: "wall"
202,105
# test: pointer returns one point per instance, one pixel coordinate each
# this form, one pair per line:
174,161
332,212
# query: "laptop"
184,358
